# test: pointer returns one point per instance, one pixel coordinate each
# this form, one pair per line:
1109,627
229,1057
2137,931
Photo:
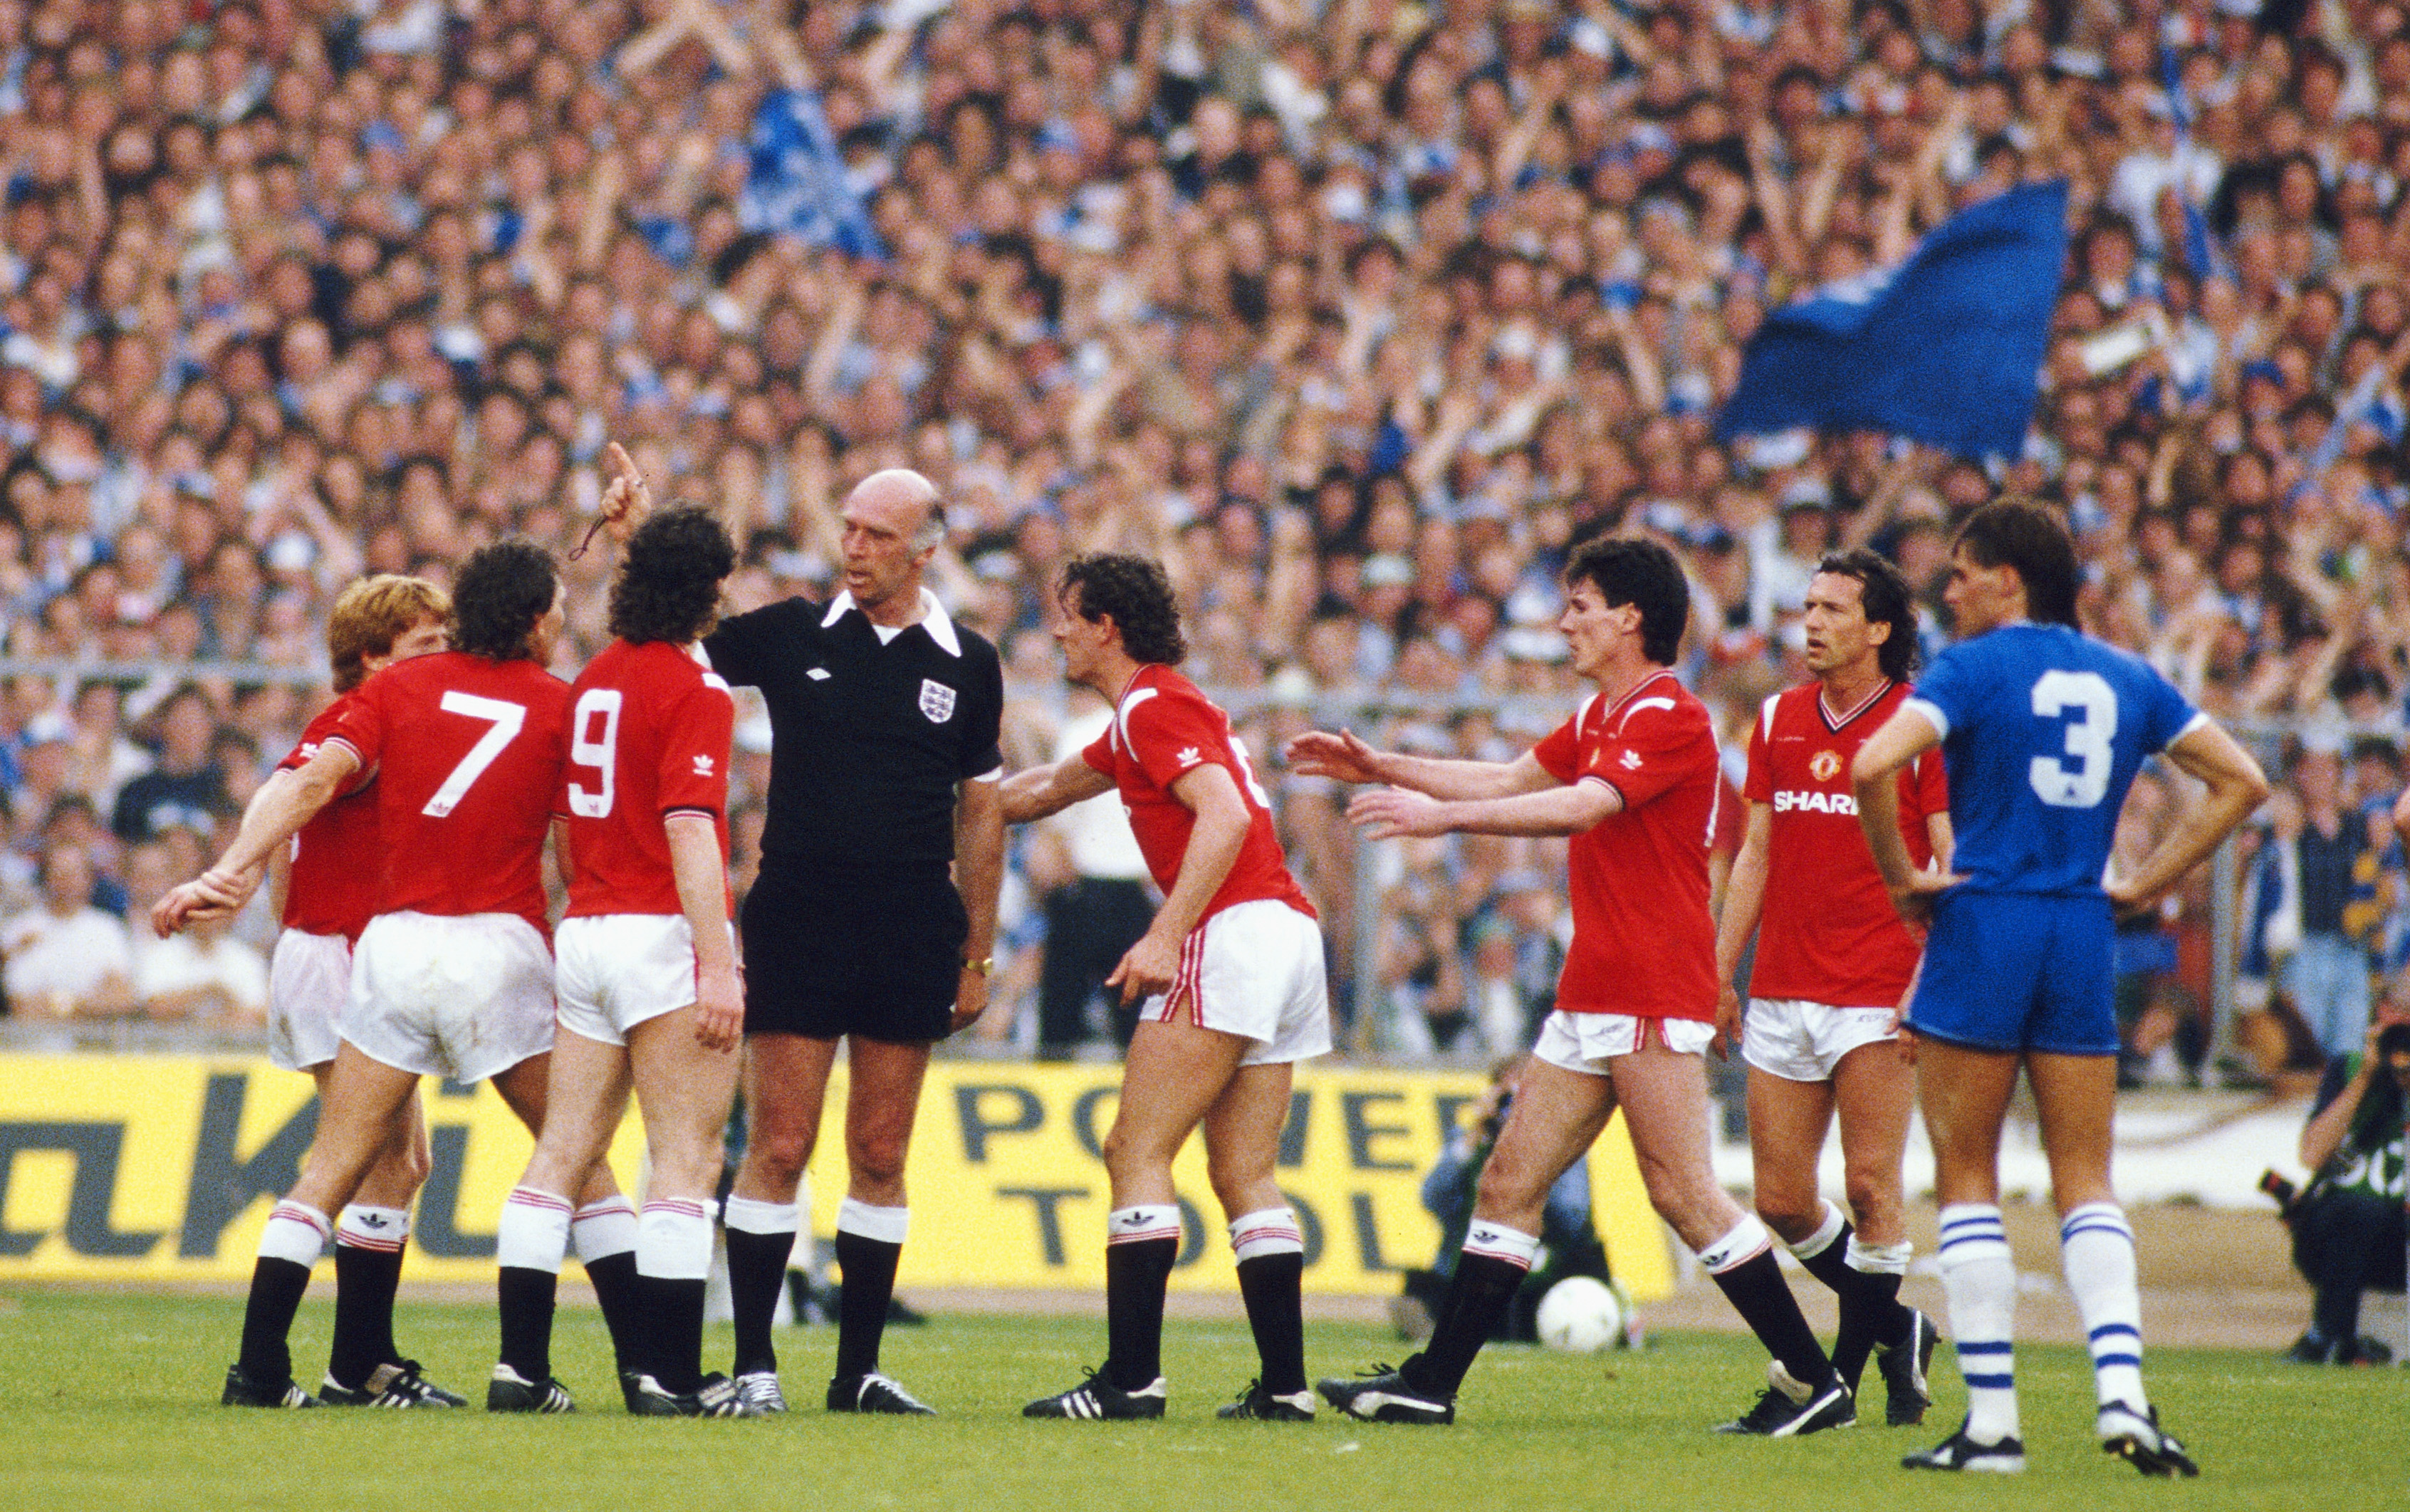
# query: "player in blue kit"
2042,729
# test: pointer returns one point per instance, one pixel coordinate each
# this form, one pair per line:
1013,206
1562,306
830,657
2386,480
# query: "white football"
1580,1315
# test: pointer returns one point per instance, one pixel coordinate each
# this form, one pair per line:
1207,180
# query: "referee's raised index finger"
624,463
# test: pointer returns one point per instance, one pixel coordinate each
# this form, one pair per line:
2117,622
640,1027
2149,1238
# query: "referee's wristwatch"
985,966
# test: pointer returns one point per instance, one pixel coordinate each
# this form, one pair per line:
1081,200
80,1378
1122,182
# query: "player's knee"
1792,1215
1872,1192
779,1155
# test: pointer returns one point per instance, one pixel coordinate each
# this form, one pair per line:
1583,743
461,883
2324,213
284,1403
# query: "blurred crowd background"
1356,313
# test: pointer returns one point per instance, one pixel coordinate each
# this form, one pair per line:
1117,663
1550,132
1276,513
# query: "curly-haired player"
1231,975
647,979
451,977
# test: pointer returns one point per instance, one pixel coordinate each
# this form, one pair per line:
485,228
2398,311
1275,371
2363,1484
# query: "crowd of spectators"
1356,313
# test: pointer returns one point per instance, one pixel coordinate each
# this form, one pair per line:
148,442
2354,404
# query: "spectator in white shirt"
66,958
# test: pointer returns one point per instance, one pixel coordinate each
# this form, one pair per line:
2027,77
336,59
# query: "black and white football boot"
1384,1395
1099,1399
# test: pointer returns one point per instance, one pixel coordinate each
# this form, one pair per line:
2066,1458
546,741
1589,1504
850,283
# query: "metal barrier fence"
1372,711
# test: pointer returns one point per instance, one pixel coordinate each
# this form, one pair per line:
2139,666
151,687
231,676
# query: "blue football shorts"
2014,971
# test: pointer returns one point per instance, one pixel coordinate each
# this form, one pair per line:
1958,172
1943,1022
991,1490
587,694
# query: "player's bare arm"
1873,776
1211,794
1344,758
1390,813
1037,793
979,874
1744,905
2236,787
702,897
2402,816
276,814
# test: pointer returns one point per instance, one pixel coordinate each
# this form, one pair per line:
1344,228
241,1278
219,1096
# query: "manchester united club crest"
937,701
1821,766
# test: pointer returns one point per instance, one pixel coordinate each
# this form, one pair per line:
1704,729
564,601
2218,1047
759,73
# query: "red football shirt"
468,755
1163,729
1644,940
332,888
649,733
1829,932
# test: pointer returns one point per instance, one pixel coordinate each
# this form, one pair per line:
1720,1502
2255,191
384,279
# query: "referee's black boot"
1098,1399
242,1390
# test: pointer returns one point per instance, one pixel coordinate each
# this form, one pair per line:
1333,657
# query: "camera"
2287,1196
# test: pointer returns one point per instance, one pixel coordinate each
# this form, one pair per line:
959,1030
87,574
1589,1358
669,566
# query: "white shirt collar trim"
935,619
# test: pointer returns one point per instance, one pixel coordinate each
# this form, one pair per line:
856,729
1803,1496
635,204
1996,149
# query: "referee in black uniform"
874,916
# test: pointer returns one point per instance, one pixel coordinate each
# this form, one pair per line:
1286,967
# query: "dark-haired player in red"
648,977
1231,975
1834,964
453,976
1633,779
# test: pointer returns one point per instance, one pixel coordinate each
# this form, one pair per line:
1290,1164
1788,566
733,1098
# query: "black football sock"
1759,1294
602,1235
276,1288
1478,1295
1141,1249
673,1315
365,1283
760,1238
867,1282
1272,1285
526,1297
1826,1255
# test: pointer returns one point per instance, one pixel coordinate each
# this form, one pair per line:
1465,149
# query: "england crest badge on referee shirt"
937,701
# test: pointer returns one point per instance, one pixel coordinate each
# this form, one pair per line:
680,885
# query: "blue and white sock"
2097,1249
1980,1278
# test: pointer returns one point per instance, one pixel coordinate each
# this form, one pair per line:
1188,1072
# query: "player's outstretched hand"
1394,813
719,1008
1342,756
1146,970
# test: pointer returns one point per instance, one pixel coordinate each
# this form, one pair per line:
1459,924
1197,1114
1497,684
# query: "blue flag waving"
795,182
1944,348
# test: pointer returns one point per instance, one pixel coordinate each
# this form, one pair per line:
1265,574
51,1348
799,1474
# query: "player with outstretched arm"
2043,729
1632,779
453,976
1230,975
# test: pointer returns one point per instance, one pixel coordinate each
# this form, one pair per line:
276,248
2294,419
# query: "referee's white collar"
935,619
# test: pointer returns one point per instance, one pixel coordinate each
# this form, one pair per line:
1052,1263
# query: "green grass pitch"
108,1401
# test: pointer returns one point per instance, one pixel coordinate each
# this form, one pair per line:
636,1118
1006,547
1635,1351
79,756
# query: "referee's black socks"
761,1239
869,1245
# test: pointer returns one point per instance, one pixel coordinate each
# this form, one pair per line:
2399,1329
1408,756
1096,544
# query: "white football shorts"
1585,1043
614,971
309,976
1802,1042
466,996
1254,969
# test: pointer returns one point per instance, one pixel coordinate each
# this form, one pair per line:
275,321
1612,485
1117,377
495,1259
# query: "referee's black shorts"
828,956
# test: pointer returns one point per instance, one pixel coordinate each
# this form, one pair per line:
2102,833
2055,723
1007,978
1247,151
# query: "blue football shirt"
2042,729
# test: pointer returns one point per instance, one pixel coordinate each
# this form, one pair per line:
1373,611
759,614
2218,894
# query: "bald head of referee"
893,521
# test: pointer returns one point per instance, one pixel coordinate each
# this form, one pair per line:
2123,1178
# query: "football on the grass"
1580,1315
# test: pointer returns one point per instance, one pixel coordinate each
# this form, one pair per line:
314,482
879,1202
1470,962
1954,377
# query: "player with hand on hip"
1833,963
2044,730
